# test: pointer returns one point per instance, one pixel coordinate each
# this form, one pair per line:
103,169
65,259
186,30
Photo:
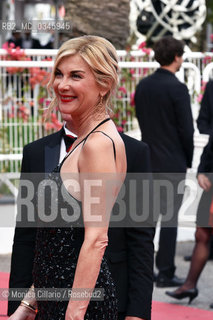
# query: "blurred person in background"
24,40
204,228
205,126
164,115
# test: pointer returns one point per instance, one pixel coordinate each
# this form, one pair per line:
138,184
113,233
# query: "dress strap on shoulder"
102,122
113,143
94,130
83,140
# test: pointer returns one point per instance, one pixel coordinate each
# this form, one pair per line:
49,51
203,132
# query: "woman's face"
75,86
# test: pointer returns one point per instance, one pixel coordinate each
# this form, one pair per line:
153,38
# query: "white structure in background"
180,18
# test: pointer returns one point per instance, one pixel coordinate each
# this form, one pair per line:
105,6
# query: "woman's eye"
58,73
76,76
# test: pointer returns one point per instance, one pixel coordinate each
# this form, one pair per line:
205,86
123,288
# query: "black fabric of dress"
56,255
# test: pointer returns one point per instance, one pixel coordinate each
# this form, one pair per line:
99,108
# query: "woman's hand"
23,313
204,182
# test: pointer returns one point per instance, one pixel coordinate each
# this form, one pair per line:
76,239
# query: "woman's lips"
67,98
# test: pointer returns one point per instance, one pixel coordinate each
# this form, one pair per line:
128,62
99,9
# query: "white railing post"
206,72
6,178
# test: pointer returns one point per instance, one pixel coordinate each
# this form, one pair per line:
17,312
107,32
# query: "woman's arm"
96,164
28,308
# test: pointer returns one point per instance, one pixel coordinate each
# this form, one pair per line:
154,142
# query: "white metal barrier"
35,54
8,178
5,178
4,157
21,133
122,64
198,58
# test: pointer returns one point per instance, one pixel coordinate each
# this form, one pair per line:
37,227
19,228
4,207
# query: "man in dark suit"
165,119
130,250
205,118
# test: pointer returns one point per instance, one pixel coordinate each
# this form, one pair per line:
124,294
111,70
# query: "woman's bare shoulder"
103,149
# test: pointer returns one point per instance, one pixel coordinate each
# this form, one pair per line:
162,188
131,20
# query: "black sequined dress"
56,255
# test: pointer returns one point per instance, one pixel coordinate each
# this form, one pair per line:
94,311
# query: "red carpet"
4,281
160,310
167,311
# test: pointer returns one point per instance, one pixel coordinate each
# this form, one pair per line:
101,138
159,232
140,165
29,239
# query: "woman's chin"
66,116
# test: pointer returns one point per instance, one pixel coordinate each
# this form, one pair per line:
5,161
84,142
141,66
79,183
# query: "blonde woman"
84,77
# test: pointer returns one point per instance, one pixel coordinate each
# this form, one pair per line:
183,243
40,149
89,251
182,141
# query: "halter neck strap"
84,139
102,122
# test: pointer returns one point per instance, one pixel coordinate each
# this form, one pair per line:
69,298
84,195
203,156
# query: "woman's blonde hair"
101,57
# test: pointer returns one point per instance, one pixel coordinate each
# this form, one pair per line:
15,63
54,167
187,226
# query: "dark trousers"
166,253
170,202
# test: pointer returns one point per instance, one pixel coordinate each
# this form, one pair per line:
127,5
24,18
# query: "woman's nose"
64,84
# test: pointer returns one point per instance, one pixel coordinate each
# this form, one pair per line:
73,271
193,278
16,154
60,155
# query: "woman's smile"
66,98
